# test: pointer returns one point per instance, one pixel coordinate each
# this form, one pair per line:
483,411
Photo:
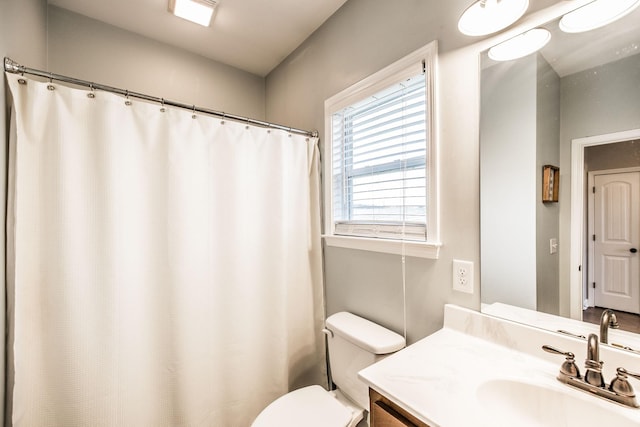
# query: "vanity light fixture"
488,16
596,14
520,45
198,11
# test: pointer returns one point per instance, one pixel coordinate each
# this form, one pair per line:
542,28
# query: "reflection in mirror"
574,105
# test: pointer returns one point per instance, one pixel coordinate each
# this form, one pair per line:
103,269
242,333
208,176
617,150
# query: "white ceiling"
252,35
571,53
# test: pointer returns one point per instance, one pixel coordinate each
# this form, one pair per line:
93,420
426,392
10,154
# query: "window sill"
429,250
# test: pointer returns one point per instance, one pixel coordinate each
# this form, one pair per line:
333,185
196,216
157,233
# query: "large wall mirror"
573,106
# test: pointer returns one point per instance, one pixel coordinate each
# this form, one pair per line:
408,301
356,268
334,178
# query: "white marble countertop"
447,379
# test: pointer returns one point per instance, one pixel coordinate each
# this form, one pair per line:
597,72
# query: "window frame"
425,57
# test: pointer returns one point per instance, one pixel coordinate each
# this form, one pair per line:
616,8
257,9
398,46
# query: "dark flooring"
628,321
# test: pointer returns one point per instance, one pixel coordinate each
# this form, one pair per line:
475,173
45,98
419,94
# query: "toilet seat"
310,406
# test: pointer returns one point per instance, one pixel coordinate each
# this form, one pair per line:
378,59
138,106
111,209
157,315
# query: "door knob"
633,250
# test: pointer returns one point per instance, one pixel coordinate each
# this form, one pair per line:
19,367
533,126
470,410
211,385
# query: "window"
379,164
380,161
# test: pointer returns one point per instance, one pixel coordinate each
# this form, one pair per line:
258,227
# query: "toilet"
354,343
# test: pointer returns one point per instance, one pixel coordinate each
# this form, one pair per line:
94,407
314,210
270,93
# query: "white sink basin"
483,371
526,404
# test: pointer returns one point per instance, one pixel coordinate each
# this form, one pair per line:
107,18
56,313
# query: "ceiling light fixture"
521,45
596,14
198,11
488,16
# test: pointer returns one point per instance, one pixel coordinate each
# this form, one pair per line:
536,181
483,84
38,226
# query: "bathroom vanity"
479,370
387,413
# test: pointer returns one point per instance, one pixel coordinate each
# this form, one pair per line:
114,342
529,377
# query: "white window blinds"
379,164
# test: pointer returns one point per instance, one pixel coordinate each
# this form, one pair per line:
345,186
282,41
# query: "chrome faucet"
593,365
619,390
607,320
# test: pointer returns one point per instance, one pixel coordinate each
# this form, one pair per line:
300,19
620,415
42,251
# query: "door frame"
591,224
578,232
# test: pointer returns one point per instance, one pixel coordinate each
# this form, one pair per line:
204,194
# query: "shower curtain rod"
11,66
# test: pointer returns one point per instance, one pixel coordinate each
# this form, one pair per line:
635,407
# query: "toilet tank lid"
364,333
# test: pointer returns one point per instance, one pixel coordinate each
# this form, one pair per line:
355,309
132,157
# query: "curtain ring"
162,109
91,94
50,86
224,116
194,112
126,95
247,125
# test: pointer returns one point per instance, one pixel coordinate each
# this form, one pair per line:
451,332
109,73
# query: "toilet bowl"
310,406
354,343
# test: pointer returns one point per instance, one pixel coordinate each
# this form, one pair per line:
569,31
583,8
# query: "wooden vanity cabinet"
385,413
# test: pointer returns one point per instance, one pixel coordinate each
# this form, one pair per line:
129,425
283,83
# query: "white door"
617,239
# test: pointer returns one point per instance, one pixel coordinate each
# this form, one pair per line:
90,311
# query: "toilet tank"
355,343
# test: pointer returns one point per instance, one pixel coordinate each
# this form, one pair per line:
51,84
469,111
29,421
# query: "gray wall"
23,29
508,183
92,50
593,102
358,40
547,214
519,130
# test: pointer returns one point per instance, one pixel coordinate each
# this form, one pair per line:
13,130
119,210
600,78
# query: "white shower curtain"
164,270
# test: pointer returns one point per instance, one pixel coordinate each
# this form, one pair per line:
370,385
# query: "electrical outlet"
463,276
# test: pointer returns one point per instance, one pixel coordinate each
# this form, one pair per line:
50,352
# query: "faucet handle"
554,350
620,385
569,367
